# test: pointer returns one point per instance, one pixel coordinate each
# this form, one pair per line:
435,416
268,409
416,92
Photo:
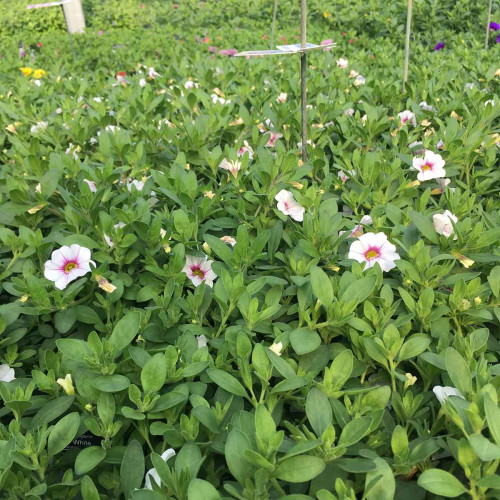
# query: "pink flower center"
427,166
372,253
286,205
69,266
197,272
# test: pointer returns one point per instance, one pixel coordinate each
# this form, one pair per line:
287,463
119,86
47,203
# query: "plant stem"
407,45
488,25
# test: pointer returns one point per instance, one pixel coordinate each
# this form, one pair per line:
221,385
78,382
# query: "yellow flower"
104,284
38,73
477,300
26,71
276,348
89,407
67,384
410,380
325,14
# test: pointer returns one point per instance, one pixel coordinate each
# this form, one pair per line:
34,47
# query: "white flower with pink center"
407,116
152,73
246,148
231,166
190,84
374,249
342,62
431,166
273,138
67,264
282,97
288,206
344,177
443,223
199,270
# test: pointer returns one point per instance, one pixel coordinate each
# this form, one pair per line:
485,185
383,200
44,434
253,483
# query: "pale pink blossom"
274,136
443,223
92,185
190,84
229,240
199,270
231,166
152,73
288,206
342,62
246,148
349,112
431,166
67,264
282,97
407,116
372,249
344,177
359,80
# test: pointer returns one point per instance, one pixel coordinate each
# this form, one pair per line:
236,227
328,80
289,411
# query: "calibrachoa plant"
189,311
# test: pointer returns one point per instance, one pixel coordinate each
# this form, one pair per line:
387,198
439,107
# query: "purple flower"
439,46
228,52
494,26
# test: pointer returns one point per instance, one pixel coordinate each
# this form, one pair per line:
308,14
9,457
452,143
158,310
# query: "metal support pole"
303,71
407,44
273,27
488,25
69,34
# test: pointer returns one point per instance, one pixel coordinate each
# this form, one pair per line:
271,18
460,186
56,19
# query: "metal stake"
407,44
69,34
303,71
273,27
488,25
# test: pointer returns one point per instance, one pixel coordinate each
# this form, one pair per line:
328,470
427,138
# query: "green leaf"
199,489
237,464
354,431
359,290
154,374
89,458
442,483
322,286
88,489
318,411
304,341
111,383
458,370
189,458
492,417
132,468
221,249
385,487
227,382
289,384
51,410
299,469
484,448
125,330
265,428
74,349
425,226
280,364
414,346
48,183
63,433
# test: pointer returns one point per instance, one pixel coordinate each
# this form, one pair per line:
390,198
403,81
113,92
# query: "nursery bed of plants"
189,311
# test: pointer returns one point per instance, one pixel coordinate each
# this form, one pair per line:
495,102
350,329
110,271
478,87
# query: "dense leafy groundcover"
188,311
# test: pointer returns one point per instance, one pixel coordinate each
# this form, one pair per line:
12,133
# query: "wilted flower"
356,232
232,166
104,284
410,380
67,264
67,384
344,177
199,270
431,166
342,62
276,348
151,473
439,46
202,341
440,145
246,148
443,393
426,107
282,97
374,248
208,194
288,206
7,373
229,240
152,74
443,223
92,185
407,116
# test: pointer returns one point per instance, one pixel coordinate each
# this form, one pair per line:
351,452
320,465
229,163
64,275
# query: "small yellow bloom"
24,298
425,123
209,194
67,384
325,14
333,268
276,348
410,380
455,115
187,166
104,284
89,407
466,305
10,128
238,121
167,248
39,73
477,300
26,71
295,184
36,208
465,261
497,72
413,184
207,248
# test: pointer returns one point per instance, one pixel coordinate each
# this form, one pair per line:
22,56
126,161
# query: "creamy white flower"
491,102
216,99
67,384
59,111
199,270
7,373
344,177
142,82
152,474
202,341
364,119
366,220
276,348
39,127
231,166
353,73
426,107
37,83
443,223
97,99
431,166
470,86
152,73
407,116
359,80
282,97
349,112
288,206
190,84
68,264
374,248
342,62
228,240
139,185
443,393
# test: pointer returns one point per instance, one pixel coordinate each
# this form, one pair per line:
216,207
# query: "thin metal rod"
303,71
488,25
69,34
407,44
273,27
